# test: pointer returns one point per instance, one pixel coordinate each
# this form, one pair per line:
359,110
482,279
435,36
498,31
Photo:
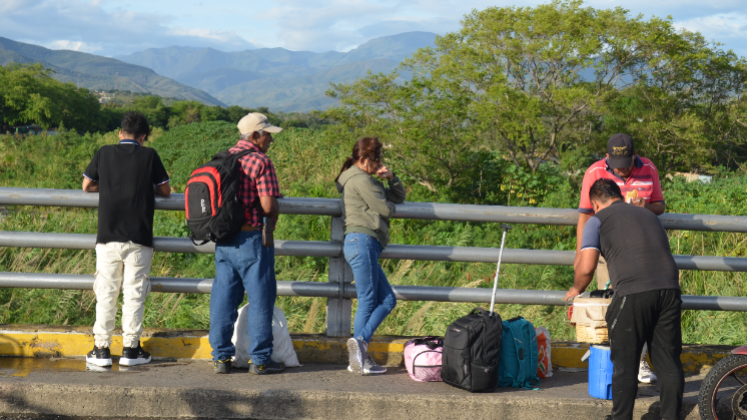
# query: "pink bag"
423,358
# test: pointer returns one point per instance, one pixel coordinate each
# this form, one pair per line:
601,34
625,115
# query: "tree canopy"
29,95
537,84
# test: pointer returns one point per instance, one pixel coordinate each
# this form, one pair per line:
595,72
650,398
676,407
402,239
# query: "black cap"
621,149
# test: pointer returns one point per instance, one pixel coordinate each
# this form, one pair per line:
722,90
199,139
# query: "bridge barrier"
338,290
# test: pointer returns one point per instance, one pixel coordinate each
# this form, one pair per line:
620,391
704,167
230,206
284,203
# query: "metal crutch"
498,270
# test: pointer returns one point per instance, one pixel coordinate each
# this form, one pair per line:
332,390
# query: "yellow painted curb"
50,341
695,358
21,343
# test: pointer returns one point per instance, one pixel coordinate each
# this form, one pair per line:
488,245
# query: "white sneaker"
360,363
370,368
356,355
645,374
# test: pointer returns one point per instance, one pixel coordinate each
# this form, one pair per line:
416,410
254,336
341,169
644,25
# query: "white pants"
125,266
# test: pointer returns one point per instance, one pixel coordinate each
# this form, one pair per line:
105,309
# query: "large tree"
532,83
425,124
29,95
685,105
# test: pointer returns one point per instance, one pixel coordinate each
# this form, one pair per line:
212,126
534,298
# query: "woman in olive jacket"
367,206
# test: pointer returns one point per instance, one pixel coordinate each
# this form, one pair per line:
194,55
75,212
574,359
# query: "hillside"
278,78
99,73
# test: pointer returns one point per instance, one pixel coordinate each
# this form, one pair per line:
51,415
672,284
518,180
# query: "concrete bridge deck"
179,388
43,375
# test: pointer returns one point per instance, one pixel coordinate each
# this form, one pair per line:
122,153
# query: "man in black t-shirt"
127,176
646,306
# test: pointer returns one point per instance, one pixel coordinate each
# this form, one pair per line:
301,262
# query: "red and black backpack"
213,209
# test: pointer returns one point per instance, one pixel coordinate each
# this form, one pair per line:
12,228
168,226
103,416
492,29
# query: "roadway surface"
66,388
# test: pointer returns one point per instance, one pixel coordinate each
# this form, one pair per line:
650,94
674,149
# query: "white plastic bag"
282,345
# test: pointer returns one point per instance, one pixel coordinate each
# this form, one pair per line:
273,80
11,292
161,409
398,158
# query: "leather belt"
247,228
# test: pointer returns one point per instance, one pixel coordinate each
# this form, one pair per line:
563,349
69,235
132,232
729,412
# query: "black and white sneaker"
99,356
132,356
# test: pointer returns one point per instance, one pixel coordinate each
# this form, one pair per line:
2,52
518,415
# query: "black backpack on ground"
472,344
213,209
472,347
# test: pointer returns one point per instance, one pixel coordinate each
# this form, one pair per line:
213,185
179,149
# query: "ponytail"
367,147
345,166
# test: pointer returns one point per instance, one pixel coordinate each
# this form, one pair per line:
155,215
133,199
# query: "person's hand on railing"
569,295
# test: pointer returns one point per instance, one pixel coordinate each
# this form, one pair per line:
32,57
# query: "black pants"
654,318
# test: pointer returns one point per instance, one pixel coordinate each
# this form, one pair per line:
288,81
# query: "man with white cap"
246,262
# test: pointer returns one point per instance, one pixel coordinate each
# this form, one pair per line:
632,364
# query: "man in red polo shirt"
638,180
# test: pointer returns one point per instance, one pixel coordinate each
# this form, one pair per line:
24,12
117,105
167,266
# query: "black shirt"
636,248
126,173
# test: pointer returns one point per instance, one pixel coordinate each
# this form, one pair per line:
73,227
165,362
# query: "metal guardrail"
328,290
339,289
424,211
334,249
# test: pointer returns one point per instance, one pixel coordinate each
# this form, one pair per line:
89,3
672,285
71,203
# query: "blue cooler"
600,373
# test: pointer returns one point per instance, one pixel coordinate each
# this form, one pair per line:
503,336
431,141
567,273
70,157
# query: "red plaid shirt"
257,179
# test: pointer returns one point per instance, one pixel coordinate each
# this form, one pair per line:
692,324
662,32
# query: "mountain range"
100,73
278,78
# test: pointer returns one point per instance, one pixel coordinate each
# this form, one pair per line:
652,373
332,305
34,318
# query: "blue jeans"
242,263
375,296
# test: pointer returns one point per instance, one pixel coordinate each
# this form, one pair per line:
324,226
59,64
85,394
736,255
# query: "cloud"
115,27
729,29
86,26
7,6
324,25
719,25
65,44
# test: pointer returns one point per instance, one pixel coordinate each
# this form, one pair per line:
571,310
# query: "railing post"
339,310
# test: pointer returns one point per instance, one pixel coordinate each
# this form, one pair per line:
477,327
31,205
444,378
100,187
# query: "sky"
117,27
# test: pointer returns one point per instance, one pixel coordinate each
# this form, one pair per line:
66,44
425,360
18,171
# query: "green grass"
307,162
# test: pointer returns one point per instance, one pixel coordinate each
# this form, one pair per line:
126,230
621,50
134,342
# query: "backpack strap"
192,238
479,310
242,153
227,154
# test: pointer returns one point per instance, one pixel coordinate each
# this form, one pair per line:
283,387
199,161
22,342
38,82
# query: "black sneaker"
132,356
222,366
272,367
99,356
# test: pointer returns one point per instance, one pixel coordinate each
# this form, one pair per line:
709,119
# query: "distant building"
692,177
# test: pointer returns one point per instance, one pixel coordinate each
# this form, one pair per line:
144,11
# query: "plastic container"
600,373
